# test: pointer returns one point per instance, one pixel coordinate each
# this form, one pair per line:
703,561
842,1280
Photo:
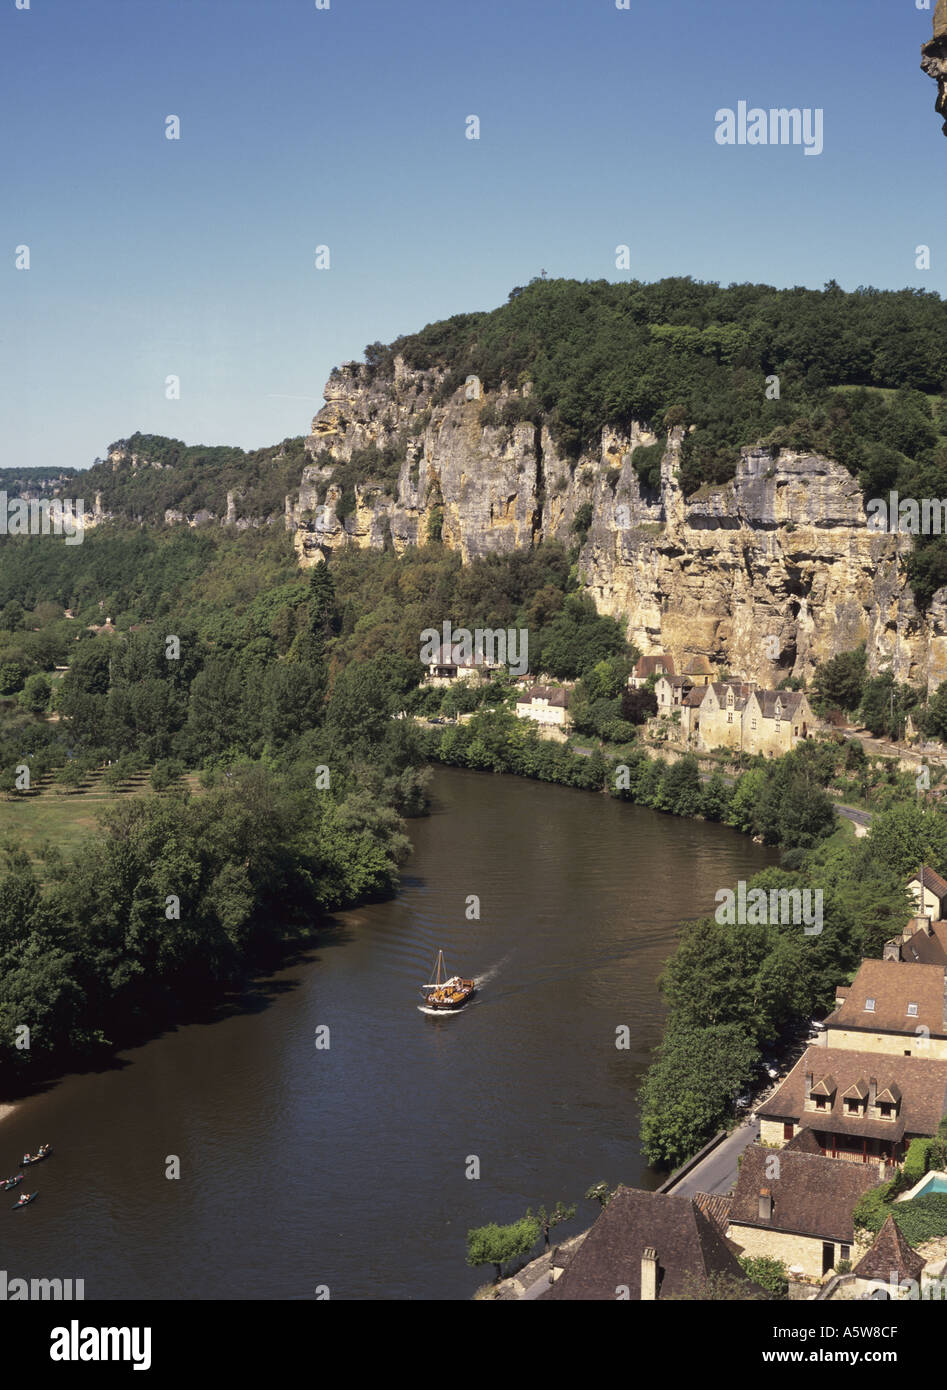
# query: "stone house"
699,671
863,1107
670,693
922,942
888,1260
721,715
690,713
647,1246
449,666
932,897
647,666
736,714
545,704
892,1006
796,1206
775,721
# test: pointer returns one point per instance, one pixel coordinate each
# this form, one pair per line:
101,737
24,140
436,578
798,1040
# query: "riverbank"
580,904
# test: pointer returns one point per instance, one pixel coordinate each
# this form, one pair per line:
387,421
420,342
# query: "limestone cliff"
767,575
934,57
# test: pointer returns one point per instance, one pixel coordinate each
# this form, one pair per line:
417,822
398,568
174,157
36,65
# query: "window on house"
912,1011
777,726
821,1102
852,1106
752,723
886,1110
729,718
869,1006
846,1252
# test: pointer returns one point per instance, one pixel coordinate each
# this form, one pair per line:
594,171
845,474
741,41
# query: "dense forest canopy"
603,354
172,475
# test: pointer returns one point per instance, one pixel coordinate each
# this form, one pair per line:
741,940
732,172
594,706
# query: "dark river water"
346,1167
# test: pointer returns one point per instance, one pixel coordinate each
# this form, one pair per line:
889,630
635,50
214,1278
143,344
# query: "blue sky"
346,127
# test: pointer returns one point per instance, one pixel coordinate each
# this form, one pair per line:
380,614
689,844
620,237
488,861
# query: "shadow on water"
256,992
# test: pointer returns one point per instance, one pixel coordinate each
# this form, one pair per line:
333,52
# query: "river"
345,1168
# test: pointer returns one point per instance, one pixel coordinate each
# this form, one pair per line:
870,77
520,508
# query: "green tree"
498,1245
548,1220
688,1091
840,681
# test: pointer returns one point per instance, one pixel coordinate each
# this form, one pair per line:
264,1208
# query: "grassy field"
64,819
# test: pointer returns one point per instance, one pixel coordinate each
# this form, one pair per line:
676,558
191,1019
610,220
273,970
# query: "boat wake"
490,975
440,1013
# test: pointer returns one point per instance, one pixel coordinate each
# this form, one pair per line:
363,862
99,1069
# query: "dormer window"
912,1011
886,1110
869,1006
821,1102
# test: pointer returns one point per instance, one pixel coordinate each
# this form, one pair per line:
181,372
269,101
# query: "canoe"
34,1158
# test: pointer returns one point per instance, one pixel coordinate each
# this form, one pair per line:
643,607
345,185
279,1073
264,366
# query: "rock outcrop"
934,58
766,575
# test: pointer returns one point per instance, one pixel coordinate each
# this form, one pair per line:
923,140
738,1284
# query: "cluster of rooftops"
834,1128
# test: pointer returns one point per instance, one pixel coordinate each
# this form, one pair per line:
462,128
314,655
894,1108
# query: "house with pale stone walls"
721,715
862,1107
892,1006
647,666
796,1206
698,671
670,691
931,899
545,704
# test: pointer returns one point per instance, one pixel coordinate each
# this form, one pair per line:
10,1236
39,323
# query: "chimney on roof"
808,1084
872,1091
649,1274
766,1204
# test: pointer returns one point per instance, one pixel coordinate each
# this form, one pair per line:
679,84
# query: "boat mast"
440,957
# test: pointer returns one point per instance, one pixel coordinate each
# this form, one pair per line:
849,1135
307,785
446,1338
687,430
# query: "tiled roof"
889,1254
923,949
687,1243
716,1207
932,881
551,693
804,1142
921,1080
647,665
812,1196
788,700
894,985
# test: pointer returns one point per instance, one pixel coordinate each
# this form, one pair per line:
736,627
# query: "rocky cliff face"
934,57
767,575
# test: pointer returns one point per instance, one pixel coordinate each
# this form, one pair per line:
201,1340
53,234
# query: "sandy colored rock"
934,58
767,575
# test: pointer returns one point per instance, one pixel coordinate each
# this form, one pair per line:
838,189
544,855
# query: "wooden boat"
448,993
9,1184
43,1152
25,1200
